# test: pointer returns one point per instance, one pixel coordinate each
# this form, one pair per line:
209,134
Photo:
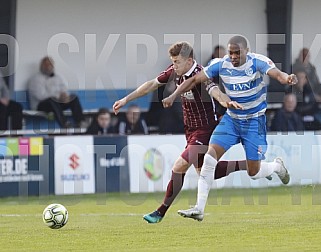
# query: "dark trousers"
52,105
14,111
171,120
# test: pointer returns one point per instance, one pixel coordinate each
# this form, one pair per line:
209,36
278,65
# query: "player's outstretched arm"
282,77
184,87
223,99
142,90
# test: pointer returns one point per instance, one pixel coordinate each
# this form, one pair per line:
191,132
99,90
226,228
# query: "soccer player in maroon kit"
200,119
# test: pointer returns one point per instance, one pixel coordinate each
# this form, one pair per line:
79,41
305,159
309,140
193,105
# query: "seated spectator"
287,119
101,124
133,123
218,52
303,63
9,109
156,107
171,119
307,106
48,93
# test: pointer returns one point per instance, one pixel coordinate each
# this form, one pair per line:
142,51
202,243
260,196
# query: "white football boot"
192,213
283,174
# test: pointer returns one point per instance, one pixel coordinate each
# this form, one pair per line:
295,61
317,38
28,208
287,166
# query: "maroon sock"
173,188
224,168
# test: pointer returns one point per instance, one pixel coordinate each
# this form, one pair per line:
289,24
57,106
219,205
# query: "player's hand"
292,79
234,105
168,101
118,105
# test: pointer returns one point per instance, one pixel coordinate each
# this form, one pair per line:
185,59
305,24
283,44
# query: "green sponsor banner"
13,146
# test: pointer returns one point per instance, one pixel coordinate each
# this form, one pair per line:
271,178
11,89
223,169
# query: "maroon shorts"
197,144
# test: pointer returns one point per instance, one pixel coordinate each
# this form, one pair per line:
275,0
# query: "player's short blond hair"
181,48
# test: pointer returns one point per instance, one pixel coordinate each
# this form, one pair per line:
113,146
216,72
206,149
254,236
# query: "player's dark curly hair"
181,48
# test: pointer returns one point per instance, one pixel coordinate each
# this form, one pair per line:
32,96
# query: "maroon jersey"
198,106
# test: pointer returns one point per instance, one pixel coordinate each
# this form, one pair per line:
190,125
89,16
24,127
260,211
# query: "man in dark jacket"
307,105
286,118
101,124
133,123
9,109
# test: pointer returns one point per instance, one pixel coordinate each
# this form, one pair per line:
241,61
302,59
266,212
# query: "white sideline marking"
83,214
19,215
120,214
111,214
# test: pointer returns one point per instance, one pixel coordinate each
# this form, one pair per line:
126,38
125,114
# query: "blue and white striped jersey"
243,84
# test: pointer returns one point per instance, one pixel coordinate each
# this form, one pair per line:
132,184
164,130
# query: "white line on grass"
119,214
19,215
82,214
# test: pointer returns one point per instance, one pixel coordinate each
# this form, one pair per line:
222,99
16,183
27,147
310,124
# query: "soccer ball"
153,164
55,216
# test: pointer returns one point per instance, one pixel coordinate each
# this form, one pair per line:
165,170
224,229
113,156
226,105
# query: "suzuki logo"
74,161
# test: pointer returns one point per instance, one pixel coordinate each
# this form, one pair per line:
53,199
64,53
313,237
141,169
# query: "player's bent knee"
252,171
253,167
180,166
209,163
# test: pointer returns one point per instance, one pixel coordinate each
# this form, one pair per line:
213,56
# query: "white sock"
205,181
266,169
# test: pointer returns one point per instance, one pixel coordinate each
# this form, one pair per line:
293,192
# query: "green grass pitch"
273,219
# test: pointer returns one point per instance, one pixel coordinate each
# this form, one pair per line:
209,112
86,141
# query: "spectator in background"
133,123
303,62
101,124
218,52
287,119
307,106
171,120
9,109
48,93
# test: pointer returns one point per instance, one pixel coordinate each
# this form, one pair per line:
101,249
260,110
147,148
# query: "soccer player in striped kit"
199,119
242,75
